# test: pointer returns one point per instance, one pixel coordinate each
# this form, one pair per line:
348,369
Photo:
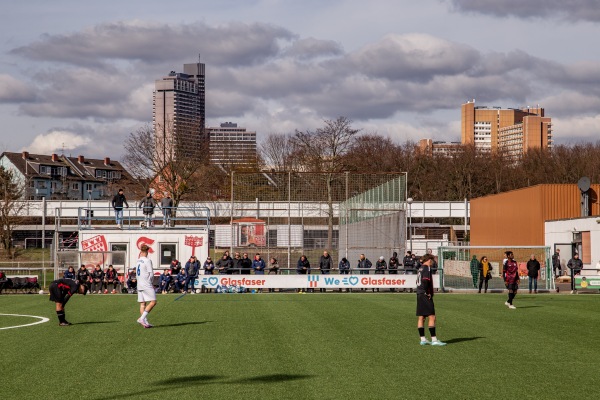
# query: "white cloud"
55,141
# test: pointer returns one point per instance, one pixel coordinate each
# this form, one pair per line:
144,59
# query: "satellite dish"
584,184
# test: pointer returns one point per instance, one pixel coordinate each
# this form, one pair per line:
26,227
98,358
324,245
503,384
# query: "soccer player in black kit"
61,291
425,306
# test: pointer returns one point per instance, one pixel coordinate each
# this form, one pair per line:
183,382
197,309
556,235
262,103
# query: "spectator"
147,204
434,264
273,269
485,273
245,265
192,270
164,281
409,263
474,266
111,278
302,268
258,265
363,265
180,281
273,266
344,267
97,279
556,263
166,205
325,265
380,267
70,273
533,271
131,281
3,281
575,265
236,264
83,277
208,266
175,267
225,264
393,264
117,202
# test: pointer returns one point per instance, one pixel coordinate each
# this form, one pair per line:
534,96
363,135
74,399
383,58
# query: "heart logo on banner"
213,281
353,280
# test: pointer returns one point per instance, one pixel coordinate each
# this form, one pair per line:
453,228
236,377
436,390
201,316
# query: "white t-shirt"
145,274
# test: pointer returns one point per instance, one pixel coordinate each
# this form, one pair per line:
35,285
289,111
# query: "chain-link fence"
290,214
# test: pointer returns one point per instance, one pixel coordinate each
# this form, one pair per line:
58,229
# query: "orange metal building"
516,218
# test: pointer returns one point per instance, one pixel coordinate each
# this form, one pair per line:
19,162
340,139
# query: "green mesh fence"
459,271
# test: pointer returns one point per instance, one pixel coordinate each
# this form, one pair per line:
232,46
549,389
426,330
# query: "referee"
61,291
425,306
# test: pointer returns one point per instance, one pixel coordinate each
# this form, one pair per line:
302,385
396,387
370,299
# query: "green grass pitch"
312,346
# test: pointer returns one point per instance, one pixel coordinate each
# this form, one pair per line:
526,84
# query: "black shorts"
512,287
56,295
425,306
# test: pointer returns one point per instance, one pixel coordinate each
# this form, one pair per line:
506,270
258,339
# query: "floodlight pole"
409,201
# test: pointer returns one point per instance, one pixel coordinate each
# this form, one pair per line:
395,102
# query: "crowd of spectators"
181,279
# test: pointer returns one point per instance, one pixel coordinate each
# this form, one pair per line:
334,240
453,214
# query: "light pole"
409,201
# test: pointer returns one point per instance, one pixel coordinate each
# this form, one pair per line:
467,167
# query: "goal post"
457,271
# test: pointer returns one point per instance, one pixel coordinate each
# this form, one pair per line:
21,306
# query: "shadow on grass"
95,322
522,307
182,324
188,380
464,339
273,378
166,385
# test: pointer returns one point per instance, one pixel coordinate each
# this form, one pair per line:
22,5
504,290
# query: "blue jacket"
258,266
192,269
69,275
344,265
209,267
181,276
164,279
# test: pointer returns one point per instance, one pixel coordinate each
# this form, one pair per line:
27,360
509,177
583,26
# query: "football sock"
61,316
422,333
511,296
432,332
144,315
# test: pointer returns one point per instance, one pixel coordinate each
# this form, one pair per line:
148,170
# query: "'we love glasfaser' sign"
312,281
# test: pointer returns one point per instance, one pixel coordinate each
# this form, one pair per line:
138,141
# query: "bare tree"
11,206
276,152
323,150
175,163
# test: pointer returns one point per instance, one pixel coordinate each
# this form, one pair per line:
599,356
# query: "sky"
77,77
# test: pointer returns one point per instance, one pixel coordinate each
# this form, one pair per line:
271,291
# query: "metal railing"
104,217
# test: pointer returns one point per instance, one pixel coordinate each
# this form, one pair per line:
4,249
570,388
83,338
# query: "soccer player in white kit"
145,289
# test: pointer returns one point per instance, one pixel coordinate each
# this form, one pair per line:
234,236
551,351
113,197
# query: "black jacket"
533,268
303,266
325,263
118,201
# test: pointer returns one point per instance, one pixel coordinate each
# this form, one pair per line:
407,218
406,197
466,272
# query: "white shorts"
146,295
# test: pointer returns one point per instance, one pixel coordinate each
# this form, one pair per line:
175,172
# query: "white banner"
313,281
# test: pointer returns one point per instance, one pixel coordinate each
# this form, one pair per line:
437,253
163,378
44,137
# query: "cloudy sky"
79,75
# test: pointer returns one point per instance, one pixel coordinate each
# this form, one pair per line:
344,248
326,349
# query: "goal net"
459,271
75,258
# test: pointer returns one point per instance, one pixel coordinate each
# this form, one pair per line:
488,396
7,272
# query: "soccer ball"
41,291
198,290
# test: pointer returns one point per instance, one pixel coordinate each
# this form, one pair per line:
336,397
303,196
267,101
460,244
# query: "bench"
21,284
